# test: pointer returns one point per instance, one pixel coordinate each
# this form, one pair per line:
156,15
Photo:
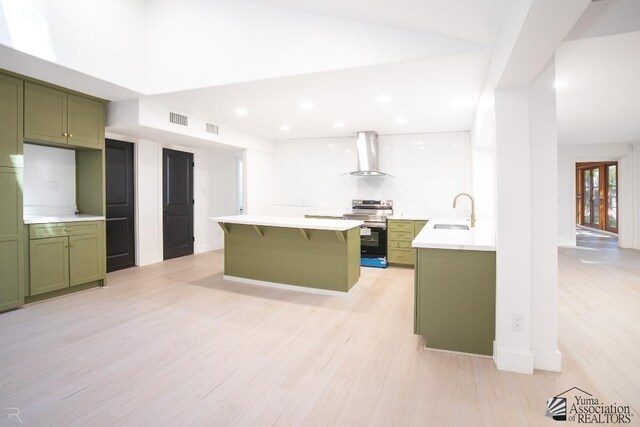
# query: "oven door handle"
377,226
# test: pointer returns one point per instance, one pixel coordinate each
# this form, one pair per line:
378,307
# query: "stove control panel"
372,204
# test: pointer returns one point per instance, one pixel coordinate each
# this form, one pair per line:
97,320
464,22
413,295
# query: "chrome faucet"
473,207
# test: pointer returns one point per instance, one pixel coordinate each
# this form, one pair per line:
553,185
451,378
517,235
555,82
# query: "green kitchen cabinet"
11,252
64,255
53,115
10,122
48,264
455,299
11,243
399,236
84,259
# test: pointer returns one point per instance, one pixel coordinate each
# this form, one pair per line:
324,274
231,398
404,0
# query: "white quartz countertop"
479,238
45,219
290,222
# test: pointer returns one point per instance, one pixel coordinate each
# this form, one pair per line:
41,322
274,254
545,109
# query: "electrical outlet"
516,322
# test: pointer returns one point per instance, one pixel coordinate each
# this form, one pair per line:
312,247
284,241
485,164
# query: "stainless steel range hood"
368,154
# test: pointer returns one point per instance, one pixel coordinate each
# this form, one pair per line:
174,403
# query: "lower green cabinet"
401,233
84,259
72,256
49,264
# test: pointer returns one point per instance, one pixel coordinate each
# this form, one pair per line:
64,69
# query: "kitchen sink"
451,227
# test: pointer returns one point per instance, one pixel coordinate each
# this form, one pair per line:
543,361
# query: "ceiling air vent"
211,128
178,119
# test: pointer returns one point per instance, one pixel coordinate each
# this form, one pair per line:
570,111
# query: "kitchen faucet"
473,207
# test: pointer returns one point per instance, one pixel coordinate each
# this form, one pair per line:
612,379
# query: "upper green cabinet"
10,121
52,115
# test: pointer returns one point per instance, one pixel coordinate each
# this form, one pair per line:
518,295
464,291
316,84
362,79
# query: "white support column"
513,237
544,221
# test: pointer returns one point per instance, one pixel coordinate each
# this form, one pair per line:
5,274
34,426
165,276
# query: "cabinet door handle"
65,134
68,230
70,135
71,244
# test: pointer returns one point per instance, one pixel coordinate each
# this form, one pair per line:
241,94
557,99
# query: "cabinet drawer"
400,244
401,235
61,229
419,225
400,225
402,256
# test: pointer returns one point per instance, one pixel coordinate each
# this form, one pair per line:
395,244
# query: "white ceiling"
472,20
434,95
599,97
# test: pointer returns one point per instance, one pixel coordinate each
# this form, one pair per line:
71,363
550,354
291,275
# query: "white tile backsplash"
312,175
49,180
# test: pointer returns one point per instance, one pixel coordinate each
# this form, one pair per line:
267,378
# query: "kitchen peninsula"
455,286
321,255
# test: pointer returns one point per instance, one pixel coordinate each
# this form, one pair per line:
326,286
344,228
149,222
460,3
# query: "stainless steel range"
373,233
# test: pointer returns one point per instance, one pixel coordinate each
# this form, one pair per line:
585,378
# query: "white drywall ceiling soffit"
431,95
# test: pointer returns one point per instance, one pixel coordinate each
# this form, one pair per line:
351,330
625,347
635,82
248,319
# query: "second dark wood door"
177,203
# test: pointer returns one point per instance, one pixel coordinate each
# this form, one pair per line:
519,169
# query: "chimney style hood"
368,154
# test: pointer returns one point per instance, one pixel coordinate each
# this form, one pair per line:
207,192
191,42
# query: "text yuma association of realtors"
589,410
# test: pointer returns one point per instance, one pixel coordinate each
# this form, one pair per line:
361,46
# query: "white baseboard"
198,249
547,360
514,361
288,287
566,243
148,261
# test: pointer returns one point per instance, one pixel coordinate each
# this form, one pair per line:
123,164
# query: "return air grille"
211,128
178,119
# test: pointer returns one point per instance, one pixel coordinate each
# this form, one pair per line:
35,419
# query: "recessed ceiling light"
383,99
285,128
401,120
338,124
241,111
560,84
306,105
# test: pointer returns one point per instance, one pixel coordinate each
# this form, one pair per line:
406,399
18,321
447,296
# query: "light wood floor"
174,345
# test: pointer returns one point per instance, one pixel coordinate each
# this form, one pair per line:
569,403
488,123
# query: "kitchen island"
455,286
315,255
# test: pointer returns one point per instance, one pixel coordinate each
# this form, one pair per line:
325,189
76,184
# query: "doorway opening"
597,195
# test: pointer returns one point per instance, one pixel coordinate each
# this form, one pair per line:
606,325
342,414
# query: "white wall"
311,175
258,182
49,180
148,200
628,158
215,193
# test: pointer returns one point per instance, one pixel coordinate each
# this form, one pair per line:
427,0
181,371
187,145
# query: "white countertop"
479,238
290,222
45,219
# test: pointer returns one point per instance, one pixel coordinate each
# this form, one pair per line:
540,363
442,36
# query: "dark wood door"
177,203
121,252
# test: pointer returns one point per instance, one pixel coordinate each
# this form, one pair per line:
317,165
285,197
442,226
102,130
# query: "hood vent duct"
368,154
